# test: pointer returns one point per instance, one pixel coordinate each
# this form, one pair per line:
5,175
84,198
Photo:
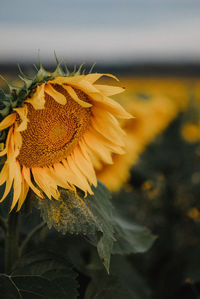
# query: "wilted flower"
62,127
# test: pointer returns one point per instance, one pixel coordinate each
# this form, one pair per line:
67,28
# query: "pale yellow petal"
7,121
111,145
93,156
59,174
37,100
95,76
75,97
45,182
10,132
109,90
27,177
96,146
16,186
80,176
17,139
87,87
22,112
68,80
22,197
10,176
84,165
12,147
56,95
72,177
110,105
108,126
7,189
4,174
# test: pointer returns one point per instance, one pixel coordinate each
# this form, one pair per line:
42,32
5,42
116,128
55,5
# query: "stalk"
12,241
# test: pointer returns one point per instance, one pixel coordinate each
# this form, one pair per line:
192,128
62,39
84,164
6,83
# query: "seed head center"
53,132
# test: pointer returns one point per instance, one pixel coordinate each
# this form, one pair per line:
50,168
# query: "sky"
103,31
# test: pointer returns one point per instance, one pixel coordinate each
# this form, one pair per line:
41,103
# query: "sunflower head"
56,129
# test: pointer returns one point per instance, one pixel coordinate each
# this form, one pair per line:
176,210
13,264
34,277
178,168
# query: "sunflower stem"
3,224
12,241
29,237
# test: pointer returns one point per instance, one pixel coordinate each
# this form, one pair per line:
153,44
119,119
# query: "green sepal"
41,75
28,82
18,95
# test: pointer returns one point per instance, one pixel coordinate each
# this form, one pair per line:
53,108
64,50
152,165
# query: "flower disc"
53,132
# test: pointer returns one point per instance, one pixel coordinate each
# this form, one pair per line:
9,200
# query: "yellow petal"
95,76
12,148
81,177
111,106
72,177
74,96
45,182
17,139
24,191
96,146
22,112
67,80
10,132
27,178
17,185
57,96
38,99
111,145
4,174
10,176
93,156
84,165
109,90
7,189
59,174
7,121
108,126
87,87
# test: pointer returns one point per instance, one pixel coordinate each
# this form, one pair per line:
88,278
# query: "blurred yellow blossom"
151,117
194,214
191,132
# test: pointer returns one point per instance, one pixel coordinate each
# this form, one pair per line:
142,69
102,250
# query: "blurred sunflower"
151,117
64,126
176,89
191,132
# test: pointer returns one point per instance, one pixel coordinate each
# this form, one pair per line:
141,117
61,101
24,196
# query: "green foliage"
57,263
40,275
123,282
131,238
95,218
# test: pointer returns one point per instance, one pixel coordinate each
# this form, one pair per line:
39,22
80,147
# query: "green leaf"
96,218
131,238
123,282
87,216
40,275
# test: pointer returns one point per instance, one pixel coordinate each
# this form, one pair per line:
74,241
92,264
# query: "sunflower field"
99,186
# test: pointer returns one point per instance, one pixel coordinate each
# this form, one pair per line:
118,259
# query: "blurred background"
130,33
153,47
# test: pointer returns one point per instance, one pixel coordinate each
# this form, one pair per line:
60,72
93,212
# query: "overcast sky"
102,31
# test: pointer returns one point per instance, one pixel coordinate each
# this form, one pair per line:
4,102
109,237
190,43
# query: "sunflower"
62,127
